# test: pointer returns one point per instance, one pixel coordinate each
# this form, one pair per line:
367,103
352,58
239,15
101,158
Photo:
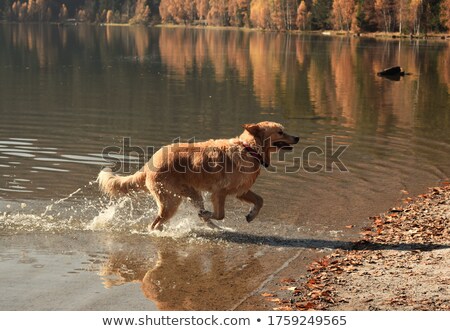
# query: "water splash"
75,212
85,210
50,207
105,216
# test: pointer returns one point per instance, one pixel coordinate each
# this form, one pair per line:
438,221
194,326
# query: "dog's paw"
204,214
251,215
213,226
155,227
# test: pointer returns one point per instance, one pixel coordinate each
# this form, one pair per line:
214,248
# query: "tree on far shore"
445,13
302,16
403,16
342,14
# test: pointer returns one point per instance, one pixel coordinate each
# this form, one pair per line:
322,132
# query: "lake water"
67,93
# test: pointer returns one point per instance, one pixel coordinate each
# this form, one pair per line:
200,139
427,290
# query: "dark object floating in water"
392,71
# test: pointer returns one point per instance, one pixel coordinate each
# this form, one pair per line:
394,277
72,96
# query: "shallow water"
67,93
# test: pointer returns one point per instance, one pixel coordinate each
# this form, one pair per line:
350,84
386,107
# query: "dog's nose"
297,139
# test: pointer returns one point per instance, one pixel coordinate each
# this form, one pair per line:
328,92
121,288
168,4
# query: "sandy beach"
401,263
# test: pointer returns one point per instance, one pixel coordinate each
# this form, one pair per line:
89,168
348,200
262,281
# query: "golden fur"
222,167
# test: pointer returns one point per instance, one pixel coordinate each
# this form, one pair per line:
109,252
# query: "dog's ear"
252,128
256,131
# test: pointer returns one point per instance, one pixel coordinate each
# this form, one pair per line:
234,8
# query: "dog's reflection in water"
201,279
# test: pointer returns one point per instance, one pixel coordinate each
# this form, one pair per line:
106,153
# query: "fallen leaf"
273,300
288,280
283,308
305,305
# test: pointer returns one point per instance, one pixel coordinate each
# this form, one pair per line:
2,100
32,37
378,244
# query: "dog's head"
270,137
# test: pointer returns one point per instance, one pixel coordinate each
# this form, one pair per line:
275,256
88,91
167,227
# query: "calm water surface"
66,93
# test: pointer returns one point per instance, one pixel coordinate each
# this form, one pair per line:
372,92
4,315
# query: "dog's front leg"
254,199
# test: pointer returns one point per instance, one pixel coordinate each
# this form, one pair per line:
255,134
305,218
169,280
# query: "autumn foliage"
403,16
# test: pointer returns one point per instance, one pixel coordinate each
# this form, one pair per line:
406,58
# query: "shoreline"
333,33
401,262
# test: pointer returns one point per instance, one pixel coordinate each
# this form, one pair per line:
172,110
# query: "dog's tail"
114,185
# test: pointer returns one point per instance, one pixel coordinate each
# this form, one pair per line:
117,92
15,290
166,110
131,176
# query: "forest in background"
401,16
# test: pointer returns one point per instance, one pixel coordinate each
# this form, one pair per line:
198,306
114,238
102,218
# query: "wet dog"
222,167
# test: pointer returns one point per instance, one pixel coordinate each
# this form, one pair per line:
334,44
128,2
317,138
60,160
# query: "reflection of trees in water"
333,78
301,76
178,49
184,51
432,98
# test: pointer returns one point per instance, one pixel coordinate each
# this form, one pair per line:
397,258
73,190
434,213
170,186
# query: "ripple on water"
25,156
50,169
10,142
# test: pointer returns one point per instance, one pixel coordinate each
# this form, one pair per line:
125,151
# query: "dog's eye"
280,133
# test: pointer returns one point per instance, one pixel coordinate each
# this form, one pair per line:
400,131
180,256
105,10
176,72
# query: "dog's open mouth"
282,145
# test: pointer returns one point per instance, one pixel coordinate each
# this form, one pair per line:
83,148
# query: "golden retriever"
221,167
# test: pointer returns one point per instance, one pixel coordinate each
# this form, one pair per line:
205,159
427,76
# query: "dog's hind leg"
218,201
167,207
254,199
206,216
195,197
